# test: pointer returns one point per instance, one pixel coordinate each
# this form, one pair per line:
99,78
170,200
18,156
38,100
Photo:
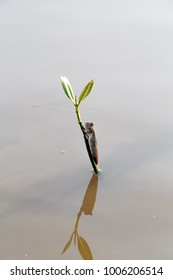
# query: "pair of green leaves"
83,246
69,91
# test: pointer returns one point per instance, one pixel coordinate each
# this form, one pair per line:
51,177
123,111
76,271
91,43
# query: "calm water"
126,46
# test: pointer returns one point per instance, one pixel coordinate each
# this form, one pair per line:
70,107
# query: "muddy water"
126,46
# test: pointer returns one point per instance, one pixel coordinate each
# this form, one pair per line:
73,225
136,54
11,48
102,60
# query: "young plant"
76,102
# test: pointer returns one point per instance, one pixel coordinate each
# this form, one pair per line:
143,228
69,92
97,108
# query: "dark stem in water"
86,140
88,148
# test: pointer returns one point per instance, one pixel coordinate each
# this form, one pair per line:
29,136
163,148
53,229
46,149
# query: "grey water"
126,47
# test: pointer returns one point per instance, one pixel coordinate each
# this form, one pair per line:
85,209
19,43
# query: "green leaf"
68,89
68,244
86,91
84,249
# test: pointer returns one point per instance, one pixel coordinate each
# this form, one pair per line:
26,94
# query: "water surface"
126,46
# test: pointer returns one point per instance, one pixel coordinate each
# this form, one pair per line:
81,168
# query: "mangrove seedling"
87,130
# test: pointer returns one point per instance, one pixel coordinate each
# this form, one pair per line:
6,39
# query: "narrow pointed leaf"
68,244
68,89
86,91
84,249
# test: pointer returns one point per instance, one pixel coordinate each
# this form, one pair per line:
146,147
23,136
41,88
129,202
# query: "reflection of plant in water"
86,208
76,101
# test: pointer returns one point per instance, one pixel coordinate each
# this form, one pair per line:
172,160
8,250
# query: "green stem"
86,139
78,114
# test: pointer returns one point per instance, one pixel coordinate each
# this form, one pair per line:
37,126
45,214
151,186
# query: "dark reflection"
86,208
